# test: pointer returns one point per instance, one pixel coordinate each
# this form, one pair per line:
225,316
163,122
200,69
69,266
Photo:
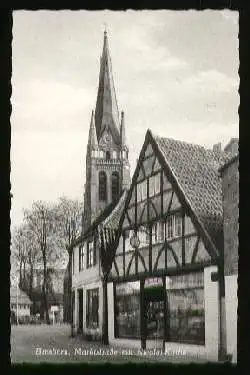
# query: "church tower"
107,164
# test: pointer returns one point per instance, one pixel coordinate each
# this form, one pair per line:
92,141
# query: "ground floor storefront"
178,313
87,304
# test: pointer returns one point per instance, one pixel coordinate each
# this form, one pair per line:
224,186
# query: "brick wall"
230,188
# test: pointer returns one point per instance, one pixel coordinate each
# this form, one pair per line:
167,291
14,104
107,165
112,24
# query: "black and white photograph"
124,186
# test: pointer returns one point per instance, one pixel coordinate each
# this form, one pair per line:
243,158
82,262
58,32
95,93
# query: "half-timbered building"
166,286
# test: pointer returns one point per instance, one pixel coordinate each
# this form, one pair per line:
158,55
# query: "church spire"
92,142
106,112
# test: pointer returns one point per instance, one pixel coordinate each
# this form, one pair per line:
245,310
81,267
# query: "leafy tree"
20,253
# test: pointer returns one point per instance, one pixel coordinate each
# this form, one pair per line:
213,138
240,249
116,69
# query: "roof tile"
196,171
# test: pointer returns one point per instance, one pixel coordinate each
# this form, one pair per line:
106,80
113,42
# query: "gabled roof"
110,216
113,220
195,169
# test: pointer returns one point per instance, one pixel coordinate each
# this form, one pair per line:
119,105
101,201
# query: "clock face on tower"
106,139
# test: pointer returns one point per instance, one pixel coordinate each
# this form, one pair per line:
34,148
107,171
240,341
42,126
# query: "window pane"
142,191
169,227
178,225
154,233
127,305
161,231
157,183
151,186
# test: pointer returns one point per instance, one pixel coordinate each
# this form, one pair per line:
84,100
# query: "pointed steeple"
92,141
106,112
122,131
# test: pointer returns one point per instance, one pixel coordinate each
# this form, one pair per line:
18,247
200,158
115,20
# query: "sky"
175,73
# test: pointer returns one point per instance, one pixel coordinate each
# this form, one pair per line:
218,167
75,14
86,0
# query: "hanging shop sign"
153,281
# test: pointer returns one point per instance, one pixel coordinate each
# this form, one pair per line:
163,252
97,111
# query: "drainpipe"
105,337
222,352
72,295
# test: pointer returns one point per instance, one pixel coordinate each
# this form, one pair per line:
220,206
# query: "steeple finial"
106,111
92,142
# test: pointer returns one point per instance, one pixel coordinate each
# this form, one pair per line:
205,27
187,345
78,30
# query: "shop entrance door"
154,316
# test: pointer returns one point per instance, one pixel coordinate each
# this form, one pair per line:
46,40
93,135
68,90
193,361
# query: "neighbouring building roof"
195,169
113,220
18,294
111,214
232,160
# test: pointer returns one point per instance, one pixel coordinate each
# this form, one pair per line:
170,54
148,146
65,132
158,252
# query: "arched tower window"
115,185
102,186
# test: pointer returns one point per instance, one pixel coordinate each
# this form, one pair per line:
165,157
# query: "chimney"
217,147
232,146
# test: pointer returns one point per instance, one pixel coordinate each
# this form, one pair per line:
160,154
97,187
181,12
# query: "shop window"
127,310
186,316
92,308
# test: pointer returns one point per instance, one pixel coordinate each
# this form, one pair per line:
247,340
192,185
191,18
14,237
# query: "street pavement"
44,343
